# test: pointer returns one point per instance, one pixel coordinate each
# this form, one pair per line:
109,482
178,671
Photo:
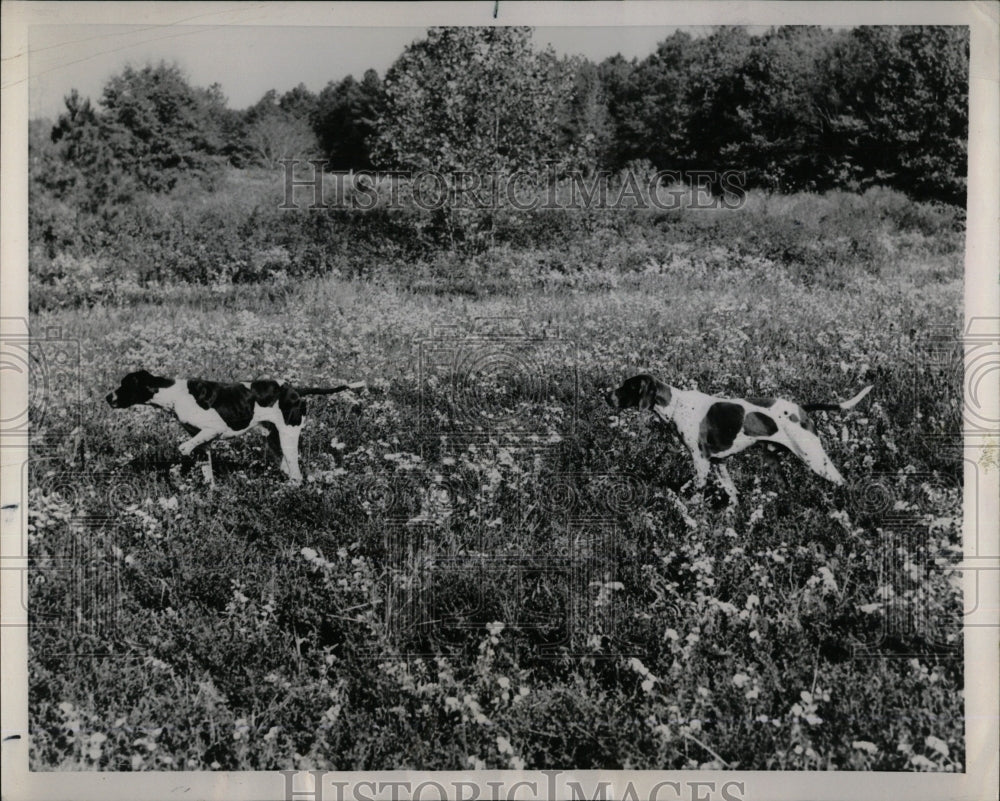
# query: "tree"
716,98
479,100
761,111
345,120
273,137
159,126
473,105
86,168
299,103
894,103
280,127
586,129
648,103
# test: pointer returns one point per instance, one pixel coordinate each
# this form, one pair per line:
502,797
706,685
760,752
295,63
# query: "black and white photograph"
536,400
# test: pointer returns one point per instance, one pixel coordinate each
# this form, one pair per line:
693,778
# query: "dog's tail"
838,407
330,390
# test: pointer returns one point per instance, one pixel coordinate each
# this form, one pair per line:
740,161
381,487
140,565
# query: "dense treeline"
797,108
141,173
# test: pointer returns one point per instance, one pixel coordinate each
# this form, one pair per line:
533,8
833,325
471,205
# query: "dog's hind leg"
809,449
727,483
288,436
774,464
272,447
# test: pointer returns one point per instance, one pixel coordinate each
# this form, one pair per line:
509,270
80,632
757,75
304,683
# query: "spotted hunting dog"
715,428
209,410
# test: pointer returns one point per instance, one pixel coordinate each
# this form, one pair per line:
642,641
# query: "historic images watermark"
923,552
497,377
518,190
318,785
561,596
51,363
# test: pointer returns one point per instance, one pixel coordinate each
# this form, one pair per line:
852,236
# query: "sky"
249,60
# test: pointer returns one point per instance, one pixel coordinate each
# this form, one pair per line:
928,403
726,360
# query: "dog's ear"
139,378
647,393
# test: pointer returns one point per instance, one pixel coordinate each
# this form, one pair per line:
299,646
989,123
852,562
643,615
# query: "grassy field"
486,567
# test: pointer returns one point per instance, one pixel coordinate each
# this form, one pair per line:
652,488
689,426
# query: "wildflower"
829,582
937,745
864,745
636,665
94,751
240,729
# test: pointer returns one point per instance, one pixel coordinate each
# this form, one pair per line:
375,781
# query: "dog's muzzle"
111,398
611,398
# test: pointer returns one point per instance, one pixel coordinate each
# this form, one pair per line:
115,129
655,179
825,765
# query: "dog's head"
135,388
638,392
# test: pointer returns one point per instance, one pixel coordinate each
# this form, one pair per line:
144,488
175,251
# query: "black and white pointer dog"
209,410
715,428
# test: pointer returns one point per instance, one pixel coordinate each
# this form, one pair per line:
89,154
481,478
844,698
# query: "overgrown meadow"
487,567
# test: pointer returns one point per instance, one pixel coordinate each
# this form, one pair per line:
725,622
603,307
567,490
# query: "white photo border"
982,300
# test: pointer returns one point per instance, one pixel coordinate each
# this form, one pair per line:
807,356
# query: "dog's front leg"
206,466
206,469
203,436
702,466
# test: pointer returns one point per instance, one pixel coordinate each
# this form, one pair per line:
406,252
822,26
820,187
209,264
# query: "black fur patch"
235,402
764,403
758,424
265,391
291,404
722,423
273,442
